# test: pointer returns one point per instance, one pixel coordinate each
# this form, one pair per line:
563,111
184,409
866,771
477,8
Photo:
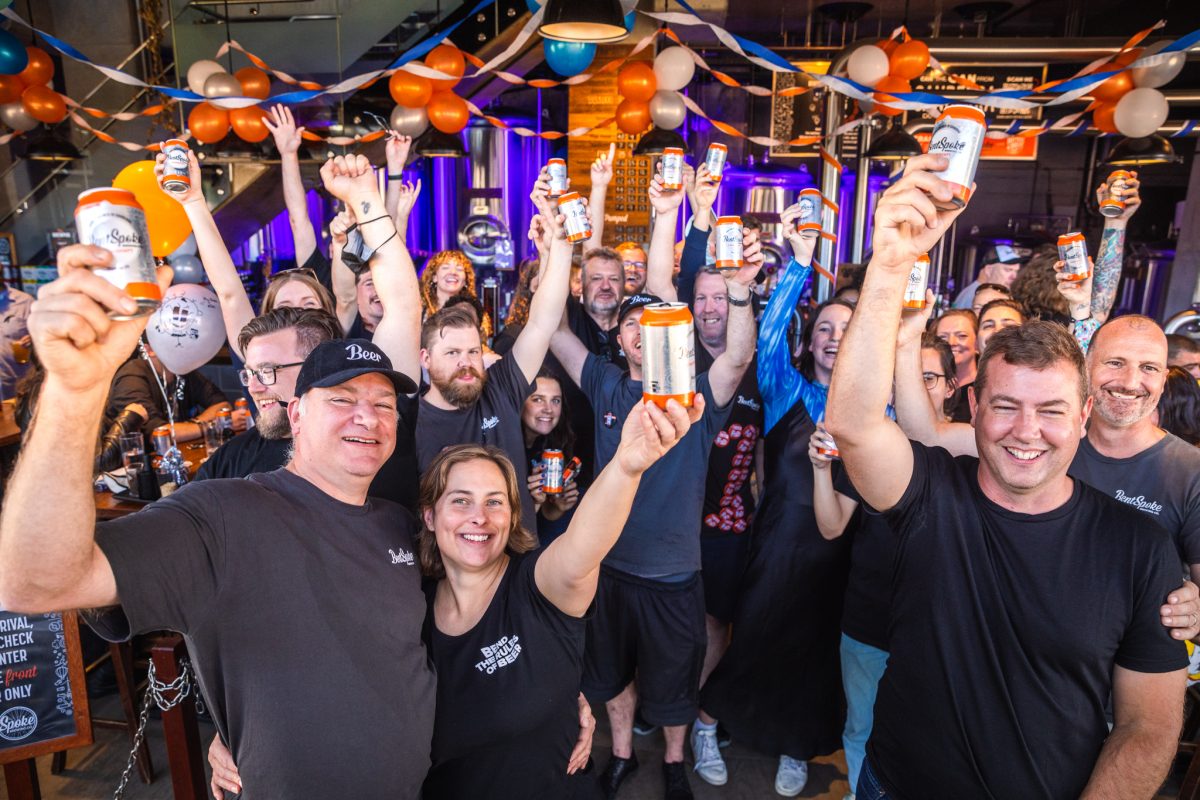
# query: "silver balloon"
667,109
409,121
187,329
201,71
188,268
1159,74
16,117
188,248
222,84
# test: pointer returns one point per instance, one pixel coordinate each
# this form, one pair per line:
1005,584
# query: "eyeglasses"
931,378
293,271
265,375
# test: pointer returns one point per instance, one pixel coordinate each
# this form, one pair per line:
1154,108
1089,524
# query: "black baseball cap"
335,362
634,302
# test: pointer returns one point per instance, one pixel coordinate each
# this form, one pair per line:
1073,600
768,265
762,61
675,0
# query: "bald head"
1127,369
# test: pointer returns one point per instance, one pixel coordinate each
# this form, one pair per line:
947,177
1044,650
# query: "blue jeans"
869,787
862,668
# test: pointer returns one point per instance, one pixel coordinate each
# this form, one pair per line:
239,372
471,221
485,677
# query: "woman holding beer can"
549,447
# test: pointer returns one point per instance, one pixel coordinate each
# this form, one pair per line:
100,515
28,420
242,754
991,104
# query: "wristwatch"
392,177
738,302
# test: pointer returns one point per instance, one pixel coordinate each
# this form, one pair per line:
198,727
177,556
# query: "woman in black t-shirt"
546,423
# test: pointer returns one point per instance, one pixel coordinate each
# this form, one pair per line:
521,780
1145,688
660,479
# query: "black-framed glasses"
931,378
265,375
309,271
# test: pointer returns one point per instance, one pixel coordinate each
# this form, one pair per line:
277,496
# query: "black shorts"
651,630
722,559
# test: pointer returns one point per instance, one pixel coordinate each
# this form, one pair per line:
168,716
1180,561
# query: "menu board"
43,695
991,78
802,114
627,208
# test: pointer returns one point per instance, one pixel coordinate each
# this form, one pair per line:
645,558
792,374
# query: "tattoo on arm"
1108,272
366,207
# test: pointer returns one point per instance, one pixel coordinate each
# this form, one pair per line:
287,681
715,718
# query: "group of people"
953,547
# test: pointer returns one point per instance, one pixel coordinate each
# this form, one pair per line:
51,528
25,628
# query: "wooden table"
109,507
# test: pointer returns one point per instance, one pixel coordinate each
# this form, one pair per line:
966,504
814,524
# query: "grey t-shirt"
662,535
303,618
1162,481
495,419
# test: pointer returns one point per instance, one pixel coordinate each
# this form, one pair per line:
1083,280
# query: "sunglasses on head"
293,271
995,287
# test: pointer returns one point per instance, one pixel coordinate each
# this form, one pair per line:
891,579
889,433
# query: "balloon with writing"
187,329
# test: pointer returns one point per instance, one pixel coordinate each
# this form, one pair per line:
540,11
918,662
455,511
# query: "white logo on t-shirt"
748,401
403,557
501,654
489,423
355,352
1140,503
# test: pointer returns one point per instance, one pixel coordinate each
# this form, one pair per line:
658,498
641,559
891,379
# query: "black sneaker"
640,726
675,778
616,772
723,737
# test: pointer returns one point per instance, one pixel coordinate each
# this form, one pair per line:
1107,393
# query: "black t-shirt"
872,562
507,709
962,405
358,330
728,501
1004,632
495,419
135,383
303,618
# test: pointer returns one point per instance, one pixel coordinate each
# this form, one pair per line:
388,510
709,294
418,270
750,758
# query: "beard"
274,424
1123,413
460,395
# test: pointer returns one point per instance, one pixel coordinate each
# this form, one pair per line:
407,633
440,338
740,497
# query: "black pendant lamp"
1142,151
583,21
47,146
655,140
435,144
896,144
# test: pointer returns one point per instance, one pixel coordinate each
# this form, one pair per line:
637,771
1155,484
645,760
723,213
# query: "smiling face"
629,336
369,306
472,518
826,338
450,278
455,365
997,318
633,262
271,350
347,430
1127,370
710,308
937,384
958,332
603,285
985,296
543,408
296,294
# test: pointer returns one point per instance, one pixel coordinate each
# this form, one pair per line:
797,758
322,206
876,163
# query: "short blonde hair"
433,485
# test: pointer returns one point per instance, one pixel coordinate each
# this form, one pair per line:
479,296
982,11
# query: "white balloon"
16,117
628,5
188,248
674,68
1159,74
667,109
1141,112
409,121
187,330
200,72
867,65
222,84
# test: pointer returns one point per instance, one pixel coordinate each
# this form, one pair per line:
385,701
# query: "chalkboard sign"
990,78
43,695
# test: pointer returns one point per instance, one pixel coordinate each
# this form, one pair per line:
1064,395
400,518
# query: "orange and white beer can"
577,224
668,354
1072,251
1114,204
918,282
113,219
729,243
958,134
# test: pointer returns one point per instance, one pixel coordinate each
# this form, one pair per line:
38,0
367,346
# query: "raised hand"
1131,197
649,432
913,322
194,193
752,260
339,227
704,196
1077,293
907,223
409,192
802,248
540,234
602,167
396,151
540,195
820,440
662,200
345,177
282,125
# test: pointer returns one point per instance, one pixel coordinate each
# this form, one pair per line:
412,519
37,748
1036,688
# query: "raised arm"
702,194
569,351
282,125
396,151
727,370
602,175
48,556
546,307
567,572
1078,295
660,261
1107,274
345,290
907,224
218,266
776,376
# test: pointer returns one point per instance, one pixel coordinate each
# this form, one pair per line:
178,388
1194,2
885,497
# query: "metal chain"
156,691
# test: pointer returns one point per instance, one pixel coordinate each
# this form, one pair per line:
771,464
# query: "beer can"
668,354
241,404
552,471
715,159
809,221
1072,251
958,134
918,282
558,176
672,168
577,225
225,420
113,219
1114,204
161,439
832,452
729,243
175,176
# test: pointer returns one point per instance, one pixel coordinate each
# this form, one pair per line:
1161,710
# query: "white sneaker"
791,776
709,764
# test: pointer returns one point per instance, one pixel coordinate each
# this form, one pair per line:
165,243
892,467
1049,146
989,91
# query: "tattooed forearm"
1108,272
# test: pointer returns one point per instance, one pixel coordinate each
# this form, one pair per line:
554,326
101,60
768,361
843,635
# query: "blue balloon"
568,58
13,57
533,6
630,19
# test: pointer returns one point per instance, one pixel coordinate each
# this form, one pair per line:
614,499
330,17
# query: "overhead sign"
991,78
1008,148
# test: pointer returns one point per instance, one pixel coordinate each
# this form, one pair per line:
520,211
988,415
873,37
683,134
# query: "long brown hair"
433,485
328,305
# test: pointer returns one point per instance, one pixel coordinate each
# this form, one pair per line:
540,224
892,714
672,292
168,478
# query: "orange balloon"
1102,117
44,104
1115,87
448,59
633,116
166,220
887,45
10,89
883,90
636,81
447,112
909,60
40,69
208,123
255,83
410,91
248,123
